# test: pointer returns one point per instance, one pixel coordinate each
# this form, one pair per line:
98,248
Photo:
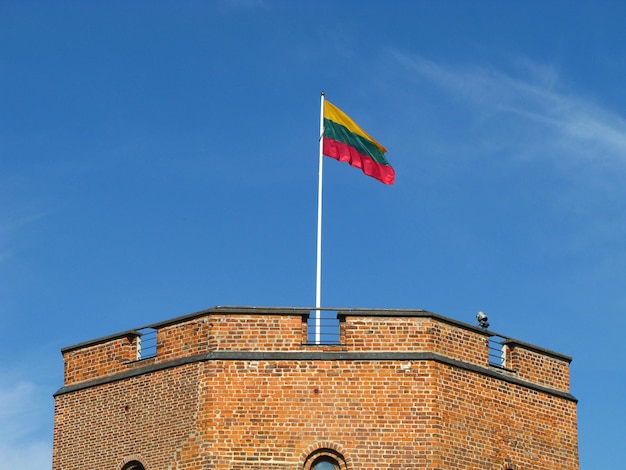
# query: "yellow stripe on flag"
333,113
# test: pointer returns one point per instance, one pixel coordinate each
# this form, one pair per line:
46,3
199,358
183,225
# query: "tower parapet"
242,387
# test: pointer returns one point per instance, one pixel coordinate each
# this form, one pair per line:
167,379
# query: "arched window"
133,465
325,459
325,464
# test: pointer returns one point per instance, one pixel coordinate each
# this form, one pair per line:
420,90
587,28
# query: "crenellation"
538,365
188,338
99,359
241,388
232,330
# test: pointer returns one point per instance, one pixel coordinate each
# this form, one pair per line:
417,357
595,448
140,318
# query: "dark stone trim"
103,339
414,314
317,356
304,312
537,349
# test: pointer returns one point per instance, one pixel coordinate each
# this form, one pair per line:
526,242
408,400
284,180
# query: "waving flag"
345,141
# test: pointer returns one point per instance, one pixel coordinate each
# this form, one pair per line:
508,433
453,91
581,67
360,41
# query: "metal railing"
497,351
329,328
146,343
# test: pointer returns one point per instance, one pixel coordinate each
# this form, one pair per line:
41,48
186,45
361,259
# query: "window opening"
328,327
324,465
497,351
325,459
133,465
146,345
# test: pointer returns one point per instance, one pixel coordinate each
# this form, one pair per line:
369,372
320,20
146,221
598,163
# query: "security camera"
483,321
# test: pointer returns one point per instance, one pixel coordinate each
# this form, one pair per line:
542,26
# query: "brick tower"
242,388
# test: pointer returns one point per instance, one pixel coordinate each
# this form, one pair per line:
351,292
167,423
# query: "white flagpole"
318,284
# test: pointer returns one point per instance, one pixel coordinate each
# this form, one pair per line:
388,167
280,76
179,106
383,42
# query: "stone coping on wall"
219,309
513,342
102,339
317,356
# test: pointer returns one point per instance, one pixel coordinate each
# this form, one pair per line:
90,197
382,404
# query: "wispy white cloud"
533,94
22,443
15,224
11,226
30,456
524,112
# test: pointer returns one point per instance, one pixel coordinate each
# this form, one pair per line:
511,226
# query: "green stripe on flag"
340,133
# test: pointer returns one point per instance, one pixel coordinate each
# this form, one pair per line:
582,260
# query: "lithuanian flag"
345,141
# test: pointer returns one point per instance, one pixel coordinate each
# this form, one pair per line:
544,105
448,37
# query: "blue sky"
159,157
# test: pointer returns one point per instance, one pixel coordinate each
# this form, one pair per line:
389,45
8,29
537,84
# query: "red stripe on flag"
346,153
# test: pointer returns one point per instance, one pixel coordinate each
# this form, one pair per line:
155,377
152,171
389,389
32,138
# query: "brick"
240,388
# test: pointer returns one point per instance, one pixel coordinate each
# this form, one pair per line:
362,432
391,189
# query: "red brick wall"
274,411
377,333
184,339
99,360
150,418
257,332
486,423
538,367
401,392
